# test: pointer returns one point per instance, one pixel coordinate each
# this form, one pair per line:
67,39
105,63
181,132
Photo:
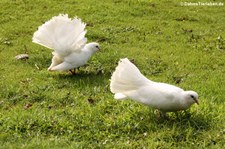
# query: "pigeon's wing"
166,88
164,92
62,34
156,95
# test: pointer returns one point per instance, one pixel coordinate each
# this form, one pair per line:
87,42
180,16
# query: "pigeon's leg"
73,72
162,114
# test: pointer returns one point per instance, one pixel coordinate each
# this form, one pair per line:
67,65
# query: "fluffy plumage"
67,38
128,82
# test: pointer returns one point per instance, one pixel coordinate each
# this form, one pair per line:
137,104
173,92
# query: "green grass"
169,43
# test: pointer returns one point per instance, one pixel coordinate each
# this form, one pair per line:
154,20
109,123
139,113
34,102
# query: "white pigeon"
67,38
128,82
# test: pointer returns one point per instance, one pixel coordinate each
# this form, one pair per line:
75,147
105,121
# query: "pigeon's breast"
77,59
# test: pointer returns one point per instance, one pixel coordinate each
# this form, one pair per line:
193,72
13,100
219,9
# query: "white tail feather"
61,34
120,96
61,67
126,78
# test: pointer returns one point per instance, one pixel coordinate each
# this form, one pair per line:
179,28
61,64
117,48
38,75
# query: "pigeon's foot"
73,72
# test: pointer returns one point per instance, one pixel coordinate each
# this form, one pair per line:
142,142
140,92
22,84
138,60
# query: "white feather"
61,34
128,82
126,77
67,38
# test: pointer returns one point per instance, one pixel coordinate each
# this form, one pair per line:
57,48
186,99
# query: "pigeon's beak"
196,101
99,49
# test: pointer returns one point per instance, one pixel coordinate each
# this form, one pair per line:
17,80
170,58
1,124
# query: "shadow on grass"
176,128
83,75
191,120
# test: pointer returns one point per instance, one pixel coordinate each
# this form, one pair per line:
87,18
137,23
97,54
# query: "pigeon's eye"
192,96
96,46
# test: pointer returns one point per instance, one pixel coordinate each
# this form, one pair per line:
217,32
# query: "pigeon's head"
93,46
191,97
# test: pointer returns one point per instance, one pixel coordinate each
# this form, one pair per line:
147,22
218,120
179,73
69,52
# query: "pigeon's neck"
88,50
86,54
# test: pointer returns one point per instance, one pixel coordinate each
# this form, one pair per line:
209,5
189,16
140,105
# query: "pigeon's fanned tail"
62,34
126,78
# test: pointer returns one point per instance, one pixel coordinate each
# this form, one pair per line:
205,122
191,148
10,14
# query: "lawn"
180,45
